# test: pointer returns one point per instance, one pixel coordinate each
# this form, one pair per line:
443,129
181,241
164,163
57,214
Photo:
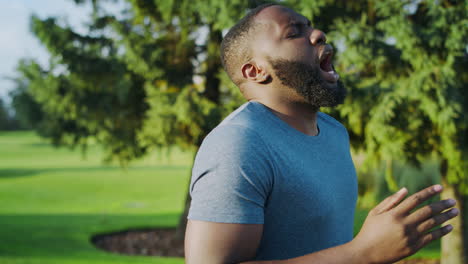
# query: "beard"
307,81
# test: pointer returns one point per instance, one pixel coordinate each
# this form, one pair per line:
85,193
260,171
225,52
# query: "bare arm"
392,231
209,242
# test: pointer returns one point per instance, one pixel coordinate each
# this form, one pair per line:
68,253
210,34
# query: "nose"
317,37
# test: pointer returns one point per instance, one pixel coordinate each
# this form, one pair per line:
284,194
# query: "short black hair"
235,48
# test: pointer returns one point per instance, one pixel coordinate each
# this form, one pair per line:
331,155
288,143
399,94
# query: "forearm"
347,253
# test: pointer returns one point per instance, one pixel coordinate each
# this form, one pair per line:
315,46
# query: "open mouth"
326,66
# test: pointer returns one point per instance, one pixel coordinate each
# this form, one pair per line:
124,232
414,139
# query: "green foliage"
4,118
27,110
86,93
185,123
406,71
9,120
128,83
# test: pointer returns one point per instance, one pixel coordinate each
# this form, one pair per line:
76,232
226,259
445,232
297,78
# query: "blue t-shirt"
254,168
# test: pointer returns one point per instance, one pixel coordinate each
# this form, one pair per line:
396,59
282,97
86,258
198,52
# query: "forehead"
279,16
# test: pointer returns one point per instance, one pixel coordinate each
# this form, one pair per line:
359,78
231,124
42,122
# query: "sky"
18,42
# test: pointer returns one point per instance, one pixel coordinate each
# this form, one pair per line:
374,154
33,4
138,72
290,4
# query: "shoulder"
236,143
250,115
242,128
331,122
232,139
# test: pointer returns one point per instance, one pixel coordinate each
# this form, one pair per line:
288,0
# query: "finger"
436,234
416,199
437,220
430,210
390,201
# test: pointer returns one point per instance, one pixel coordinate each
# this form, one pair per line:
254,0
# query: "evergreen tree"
86,92
28,112
4,116
404,62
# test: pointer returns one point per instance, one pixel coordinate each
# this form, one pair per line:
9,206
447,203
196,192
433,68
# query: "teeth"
334,74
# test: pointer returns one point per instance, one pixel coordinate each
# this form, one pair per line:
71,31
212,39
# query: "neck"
299,115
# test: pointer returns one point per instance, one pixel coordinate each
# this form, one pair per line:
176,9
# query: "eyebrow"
301,22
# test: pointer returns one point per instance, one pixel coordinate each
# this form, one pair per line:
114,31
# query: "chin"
335,95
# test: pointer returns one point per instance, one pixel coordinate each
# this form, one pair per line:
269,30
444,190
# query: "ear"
255,73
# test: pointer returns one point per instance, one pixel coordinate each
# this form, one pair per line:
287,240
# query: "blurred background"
103,104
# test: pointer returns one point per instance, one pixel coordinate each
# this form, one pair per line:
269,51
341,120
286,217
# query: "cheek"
298,50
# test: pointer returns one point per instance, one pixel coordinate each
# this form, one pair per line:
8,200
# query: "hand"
393,230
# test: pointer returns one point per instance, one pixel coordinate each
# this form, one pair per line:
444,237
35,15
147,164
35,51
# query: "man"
274,182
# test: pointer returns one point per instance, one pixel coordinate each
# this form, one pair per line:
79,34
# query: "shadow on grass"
14,172
69,235
21,172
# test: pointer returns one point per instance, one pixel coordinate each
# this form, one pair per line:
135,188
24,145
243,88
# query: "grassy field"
52,201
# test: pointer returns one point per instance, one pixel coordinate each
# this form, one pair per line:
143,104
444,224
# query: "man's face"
298,56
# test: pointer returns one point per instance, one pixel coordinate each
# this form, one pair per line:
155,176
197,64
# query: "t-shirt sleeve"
231,178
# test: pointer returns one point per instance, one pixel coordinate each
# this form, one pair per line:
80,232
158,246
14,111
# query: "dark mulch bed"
148,242
161,242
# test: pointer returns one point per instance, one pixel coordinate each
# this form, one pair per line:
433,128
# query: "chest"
317,179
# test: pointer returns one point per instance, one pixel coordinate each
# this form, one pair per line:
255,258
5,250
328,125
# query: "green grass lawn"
52,201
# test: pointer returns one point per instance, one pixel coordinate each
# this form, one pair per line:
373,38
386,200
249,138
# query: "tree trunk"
213,65
180,232
453,244
212,93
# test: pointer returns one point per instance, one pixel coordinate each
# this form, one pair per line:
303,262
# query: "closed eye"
292,35
296,30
